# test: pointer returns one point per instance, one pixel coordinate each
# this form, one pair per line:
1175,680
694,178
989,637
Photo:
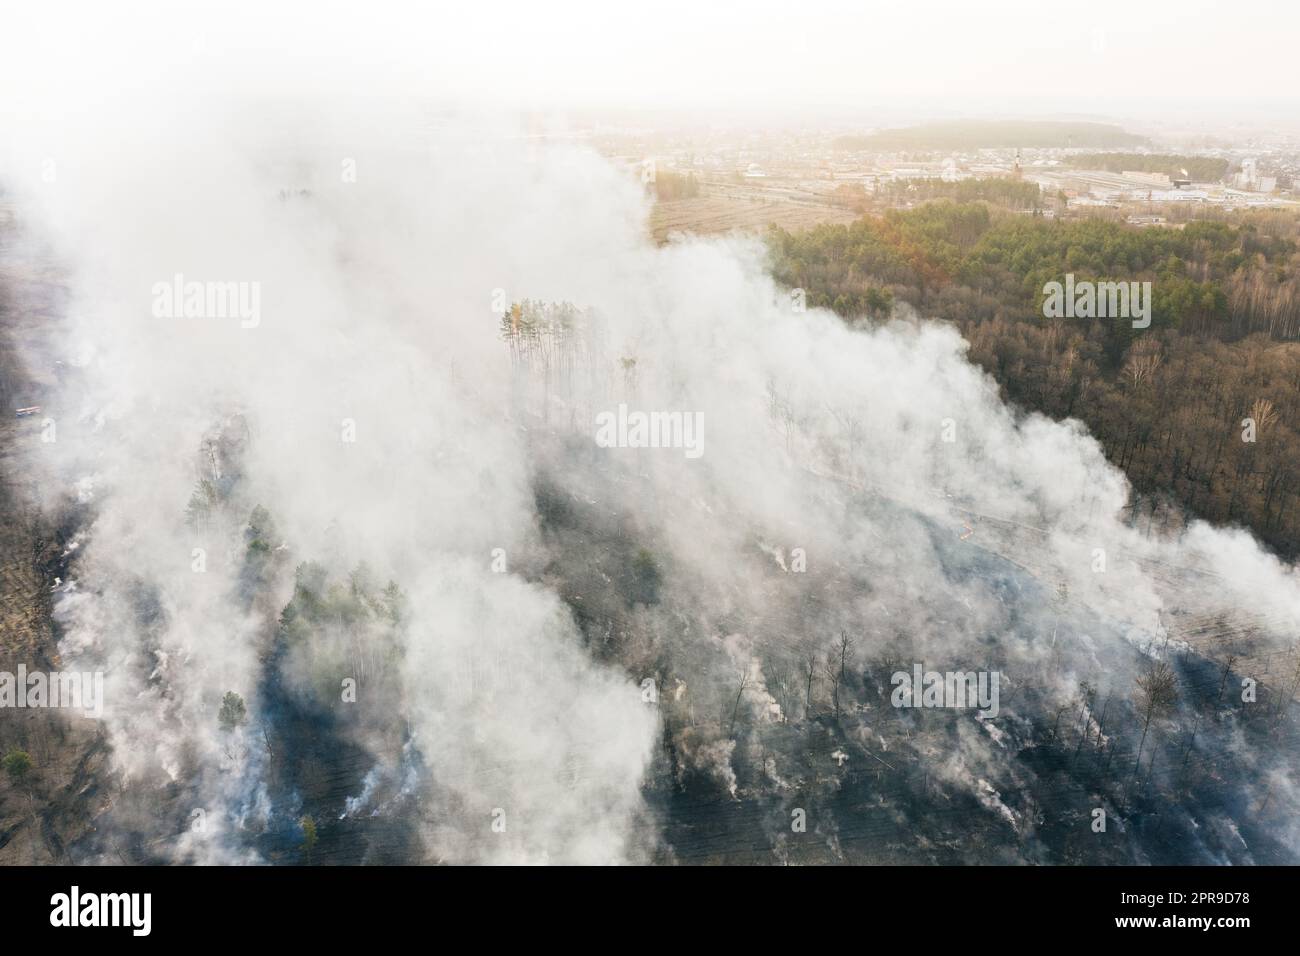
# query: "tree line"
1170,403
1001,191
1202,169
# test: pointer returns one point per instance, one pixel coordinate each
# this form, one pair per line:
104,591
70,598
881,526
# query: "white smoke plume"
374,413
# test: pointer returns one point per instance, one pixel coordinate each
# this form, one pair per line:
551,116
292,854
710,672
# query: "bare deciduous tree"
1157,690
740,692
1143,360
1227,669
1264,414
831,668
1087,697
844,646
810,670
835,667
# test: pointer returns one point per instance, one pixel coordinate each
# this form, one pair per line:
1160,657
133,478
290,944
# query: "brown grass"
716,215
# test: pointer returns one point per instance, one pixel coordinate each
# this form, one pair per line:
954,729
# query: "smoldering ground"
562,652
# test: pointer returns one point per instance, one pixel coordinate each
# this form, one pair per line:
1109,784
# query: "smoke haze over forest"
341,538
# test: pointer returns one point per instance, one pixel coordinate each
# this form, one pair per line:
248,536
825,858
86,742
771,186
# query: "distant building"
1159,180
1250,180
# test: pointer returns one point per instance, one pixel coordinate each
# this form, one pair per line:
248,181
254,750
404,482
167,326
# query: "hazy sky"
1113,56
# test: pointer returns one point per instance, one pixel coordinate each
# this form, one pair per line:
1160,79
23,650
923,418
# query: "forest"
1008,193
1199,168
1200,410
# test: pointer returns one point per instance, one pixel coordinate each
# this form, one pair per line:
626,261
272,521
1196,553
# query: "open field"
716,214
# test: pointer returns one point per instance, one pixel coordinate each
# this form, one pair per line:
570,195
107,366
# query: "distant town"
737,177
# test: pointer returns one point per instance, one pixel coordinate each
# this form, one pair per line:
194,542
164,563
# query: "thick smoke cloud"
375,413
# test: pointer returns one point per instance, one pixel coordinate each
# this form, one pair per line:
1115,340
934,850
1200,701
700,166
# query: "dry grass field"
717,214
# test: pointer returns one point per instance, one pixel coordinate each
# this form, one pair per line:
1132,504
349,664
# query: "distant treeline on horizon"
1201,169
994,134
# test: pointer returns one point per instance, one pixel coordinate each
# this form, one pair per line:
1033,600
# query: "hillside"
1167,404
